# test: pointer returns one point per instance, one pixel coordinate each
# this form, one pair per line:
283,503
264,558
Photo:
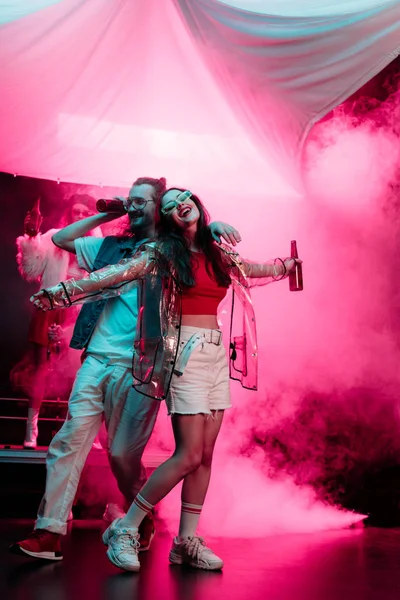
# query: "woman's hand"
55,333
28,225
230,234
41,300
290,263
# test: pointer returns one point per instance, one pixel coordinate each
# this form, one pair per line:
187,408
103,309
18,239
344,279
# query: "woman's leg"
187,547
188,455
39,359
39,355
196,483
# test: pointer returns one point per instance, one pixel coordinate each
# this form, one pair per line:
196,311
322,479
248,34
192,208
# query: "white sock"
137,512
190,515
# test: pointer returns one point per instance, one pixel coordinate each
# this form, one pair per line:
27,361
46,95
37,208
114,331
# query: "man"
103,385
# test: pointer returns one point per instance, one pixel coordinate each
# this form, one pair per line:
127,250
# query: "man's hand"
230,234
124,202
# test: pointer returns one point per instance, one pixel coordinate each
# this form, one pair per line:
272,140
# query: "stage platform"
23,477
19,455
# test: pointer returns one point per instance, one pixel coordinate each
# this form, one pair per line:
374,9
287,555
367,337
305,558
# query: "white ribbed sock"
137,512
190,515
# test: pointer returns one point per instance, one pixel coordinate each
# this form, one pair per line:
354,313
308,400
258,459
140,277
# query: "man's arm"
65,238
227,232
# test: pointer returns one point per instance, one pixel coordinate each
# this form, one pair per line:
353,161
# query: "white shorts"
204,384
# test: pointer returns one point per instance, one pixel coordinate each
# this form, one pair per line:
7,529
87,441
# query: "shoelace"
128,540
194,546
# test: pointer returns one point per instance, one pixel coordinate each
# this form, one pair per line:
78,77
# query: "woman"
180,357
40,260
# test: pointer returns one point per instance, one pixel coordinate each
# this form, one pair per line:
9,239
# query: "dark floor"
357,564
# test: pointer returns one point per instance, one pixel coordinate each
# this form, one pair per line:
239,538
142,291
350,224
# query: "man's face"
141,206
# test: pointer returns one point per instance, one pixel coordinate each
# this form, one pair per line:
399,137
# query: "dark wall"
17,196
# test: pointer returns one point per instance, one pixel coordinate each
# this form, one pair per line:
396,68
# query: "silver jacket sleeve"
266,272
107,282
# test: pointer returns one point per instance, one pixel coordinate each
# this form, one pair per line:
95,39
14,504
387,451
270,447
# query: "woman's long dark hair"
175,246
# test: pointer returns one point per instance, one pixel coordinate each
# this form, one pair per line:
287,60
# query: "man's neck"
144,233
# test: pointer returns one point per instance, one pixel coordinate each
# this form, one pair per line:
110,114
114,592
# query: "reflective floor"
358,564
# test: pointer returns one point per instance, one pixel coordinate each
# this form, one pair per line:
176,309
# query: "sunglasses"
172,204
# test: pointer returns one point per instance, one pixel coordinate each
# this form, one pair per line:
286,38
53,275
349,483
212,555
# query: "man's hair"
159,185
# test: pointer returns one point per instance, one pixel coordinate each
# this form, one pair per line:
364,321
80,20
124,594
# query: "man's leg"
130,418
70,446
66,457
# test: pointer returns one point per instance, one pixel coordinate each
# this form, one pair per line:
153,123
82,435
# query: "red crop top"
204,297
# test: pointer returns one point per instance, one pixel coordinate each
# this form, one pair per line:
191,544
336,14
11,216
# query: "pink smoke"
319,347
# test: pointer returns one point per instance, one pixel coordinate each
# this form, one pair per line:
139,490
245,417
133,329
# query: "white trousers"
129,417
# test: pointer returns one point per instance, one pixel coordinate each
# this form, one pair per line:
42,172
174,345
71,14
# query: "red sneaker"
40,544
146,532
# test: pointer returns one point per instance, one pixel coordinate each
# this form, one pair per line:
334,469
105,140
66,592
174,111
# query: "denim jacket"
160,313
112,250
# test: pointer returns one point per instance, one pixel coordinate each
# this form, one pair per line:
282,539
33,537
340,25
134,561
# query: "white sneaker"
112,512
31,443
97,444
194,552
31,431
123,546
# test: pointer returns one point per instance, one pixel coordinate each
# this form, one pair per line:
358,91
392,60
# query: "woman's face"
80,211
180,208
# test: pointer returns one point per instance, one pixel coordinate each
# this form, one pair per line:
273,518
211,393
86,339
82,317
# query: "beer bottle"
295,276
33,220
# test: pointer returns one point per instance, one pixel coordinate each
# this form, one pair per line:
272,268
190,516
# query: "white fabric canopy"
105,90
305,8
10,11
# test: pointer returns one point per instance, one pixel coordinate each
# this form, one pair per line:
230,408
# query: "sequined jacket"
160,312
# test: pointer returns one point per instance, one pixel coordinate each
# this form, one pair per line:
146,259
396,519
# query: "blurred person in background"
39,260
